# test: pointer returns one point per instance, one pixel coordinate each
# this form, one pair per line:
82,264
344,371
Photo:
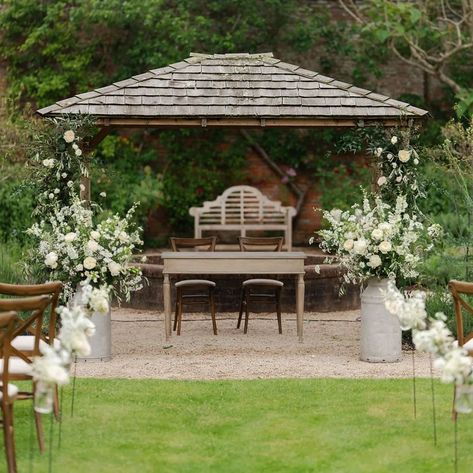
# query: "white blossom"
69,136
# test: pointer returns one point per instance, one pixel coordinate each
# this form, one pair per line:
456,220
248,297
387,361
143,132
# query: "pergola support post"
85,184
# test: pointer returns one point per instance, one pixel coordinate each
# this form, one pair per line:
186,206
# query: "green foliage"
342,182
11,263
15,211
199,166
57,48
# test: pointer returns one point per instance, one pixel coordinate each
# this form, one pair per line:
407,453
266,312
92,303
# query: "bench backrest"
243,208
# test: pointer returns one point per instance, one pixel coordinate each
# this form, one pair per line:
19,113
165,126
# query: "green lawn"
319,425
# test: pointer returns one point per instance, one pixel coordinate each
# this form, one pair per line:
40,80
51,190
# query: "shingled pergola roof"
234,90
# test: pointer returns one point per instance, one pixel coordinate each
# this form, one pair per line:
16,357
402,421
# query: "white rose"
90,262
385,227
377,234
114,268
56,191
374,261
394,140
95,234
360,246
64,175
70,184
74,146
348,245
51,260
103,194
381,181
69,136
416,161
404,155
378,152
51,195
92,245
49,163
78,152
70,237
398,178
79,268
385,246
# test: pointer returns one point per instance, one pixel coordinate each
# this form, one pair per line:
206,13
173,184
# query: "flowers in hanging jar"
431,335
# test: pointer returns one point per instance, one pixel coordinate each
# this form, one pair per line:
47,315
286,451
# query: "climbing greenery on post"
58,160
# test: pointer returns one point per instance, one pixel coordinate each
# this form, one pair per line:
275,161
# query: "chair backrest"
52,289
32,324
8,323
459,289
260,243
203,244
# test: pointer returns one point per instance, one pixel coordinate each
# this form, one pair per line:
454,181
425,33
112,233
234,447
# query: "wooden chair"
8,391
458,289
25,343
19,363
53,289
194,291
251,288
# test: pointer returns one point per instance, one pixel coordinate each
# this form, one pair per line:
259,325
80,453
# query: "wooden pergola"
233,90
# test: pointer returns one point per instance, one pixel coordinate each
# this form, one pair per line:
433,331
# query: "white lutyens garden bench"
244,208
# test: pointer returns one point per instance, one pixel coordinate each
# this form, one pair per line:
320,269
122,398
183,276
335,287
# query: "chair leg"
8,432
278,308
242,304
212,309
39,430
177,310
247,313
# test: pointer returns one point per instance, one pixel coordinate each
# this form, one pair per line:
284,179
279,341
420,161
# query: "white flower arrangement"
377,239
431,335
73,249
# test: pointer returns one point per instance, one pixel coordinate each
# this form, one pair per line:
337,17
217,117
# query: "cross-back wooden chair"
25,343
261,243
8,391
252,288
194,291
20,362
202,244
52,289
459,289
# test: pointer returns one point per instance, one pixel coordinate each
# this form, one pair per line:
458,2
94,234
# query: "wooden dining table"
184,263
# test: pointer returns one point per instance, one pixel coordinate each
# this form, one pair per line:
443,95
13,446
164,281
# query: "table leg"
167,307
300,306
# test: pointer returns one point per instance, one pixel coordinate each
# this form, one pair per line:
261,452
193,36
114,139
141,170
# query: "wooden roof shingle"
231,89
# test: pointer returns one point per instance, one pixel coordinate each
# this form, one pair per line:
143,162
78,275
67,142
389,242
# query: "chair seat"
195,282
17,366
26,343
12,391
263,282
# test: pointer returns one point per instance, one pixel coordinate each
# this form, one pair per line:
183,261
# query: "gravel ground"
330,349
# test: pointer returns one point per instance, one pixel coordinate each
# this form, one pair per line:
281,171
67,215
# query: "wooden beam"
97,139
287,122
